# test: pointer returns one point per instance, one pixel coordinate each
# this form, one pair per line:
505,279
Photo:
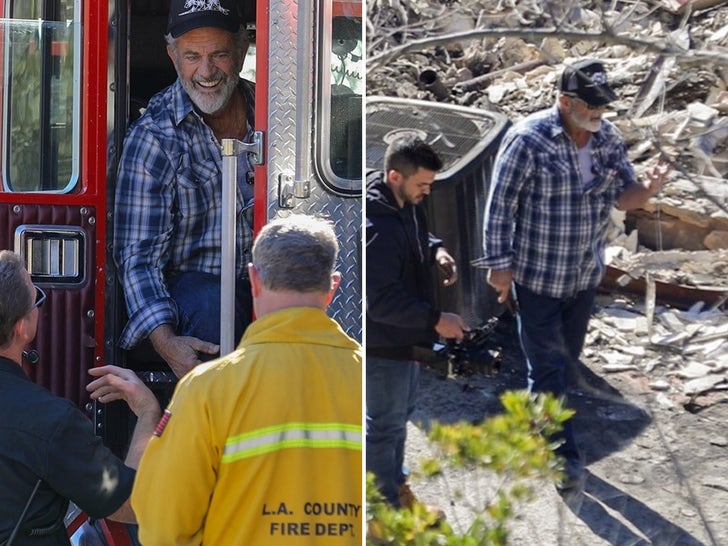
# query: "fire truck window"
41,96
342,89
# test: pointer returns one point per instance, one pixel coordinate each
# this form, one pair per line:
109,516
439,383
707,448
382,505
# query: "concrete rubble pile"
680,355
670,105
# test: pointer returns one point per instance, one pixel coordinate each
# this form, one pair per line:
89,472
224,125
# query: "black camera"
469,356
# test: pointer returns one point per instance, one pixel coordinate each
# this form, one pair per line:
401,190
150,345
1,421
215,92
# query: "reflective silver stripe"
289,435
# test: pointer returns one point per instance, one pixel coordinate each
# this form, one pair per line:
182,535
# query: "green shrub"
514,446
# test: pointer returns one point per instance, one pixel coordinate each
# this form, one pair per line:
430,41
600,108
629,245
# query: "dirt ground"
657,472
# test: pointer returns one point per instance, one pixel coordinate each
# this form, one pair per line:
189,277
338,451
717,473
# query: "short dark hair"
296,253
408,153
15,298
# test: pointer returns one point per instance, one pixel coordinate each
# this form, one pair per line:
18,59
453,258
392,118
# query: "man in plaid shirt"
168,219
557,175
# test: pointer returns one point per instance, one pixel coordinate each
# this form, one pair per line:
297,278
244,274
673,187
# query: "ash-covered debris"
668,62
669,68
680,355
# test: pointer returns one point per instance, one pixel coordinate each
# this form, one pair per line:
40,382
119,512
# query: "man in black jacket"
399,312
46,440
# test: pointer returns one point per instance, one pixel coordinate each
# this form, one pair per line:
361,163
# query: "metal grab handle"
231,149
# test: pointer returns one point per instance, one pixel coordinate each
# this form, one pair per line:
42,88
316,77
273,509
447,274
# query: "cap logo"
193,6
599,78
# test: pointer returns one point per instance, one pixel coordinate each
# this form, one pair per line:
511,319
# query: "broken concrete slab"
705,384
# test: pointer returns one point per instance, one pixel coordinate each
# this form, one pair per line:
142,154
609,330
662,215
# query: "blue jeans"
552,332
197,296
391,396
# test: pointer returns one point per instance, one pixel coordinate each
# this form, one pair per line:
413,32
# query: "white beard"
210,103
586,122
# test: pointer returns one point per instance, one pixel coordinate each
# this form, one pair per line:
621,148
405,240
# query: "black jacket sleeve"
389,299
85,471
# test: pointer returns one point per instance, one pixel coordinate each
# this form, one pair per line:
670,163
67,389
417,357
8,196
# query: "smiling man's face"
208,62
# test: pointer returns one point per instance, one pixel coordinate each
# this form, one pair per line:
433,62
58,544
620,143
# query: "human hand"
451,326
447,265
115,383
501,280
657,176
180,352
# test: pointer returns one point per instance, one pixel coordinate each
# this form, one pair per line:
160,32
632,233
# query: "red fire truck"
75,74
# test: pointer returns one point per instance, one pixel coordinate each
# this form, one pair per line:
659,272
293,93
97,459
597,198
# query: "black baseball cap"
186,15
587,80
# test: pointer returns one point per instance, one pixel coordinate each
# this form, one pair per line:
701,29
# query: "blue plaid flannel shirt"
540,220
168,210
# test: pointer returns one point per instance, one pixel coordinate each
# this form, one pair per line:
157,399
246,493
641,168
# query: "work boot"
573,479
407,499
376,530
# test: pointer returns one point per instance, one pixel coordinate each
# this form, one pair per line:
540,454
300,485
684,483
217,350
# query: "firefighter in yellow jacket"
263,446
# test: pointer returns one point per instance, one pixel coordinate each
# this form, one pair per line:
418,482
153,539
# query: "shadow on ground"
667,488
604,422
599,497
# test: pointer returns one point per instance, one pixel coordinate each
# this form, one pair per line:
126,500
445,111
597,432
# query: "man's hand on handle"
451,326
180,352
